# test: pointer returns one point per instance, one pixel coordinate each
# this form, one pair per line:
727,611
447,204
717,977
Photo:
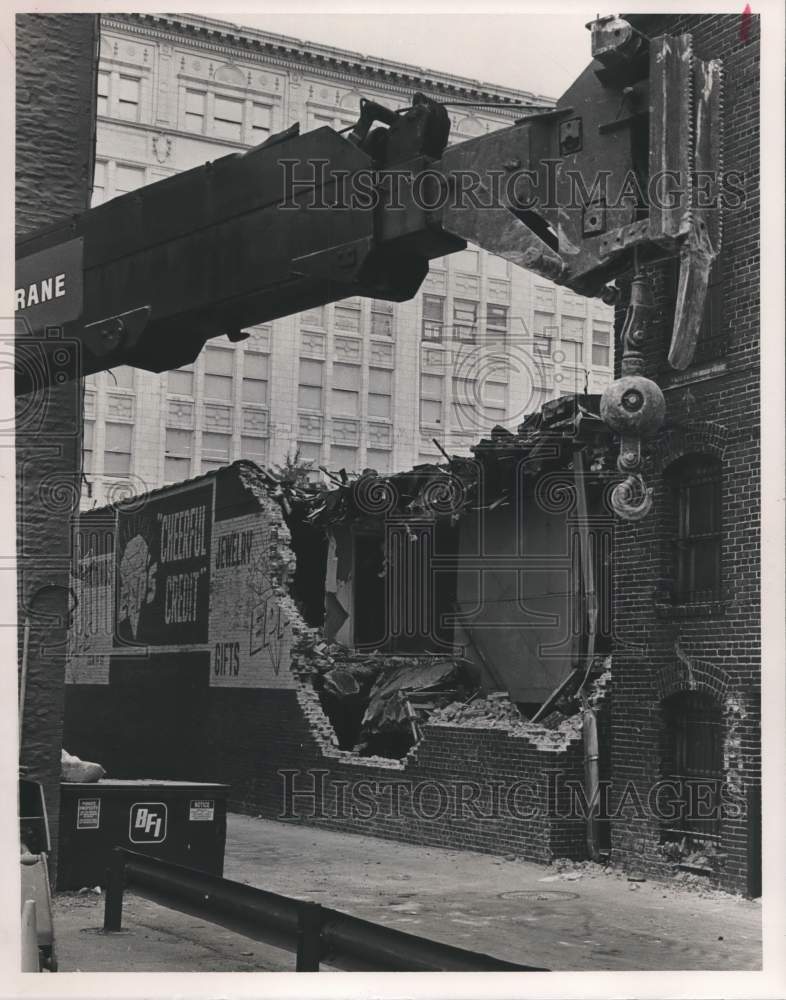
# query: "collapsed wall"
240,704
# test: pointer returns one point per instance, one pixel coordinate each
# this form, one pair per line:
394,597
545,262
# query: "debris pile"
556,731
376,702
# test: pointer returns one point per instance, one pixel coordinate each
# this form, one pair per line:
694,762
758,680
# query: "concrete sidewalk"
580,918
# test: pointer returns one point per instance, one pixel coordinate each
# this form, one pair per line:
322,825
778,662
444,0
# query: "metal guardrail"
314,932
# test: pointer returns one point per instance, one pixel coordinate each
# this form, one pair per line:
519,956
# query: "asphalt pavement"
563,917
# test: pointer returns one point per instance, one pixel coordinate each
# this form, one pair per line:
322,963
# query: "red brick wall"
718,416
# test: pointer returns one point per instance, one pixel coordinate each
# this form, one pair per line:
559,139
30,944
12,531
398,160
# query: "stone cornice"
351,68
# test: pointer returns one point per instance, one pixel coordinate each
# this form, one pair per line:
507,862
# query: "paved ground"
577,919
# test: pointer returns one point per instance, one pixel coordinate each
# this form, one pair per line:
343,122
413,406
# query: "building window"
309,451
601,344
255,377
99,184
433,317
102,104
219,367
312,375
255,449
128,178
378,460
496,320
88,437
432,389
261,123
181,382
465,320
573,351
177,454
380,393
228,118
544,332
381,319
117,449
696,484
347,318
121,378
344,458
215,450
128,98
345,397
693,765
195,110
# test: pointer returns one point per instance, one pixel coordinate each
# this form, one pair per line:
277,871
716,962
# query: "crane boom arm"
303,220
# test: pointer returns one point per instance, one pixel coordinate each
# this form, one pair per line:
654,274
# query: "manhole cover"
540,895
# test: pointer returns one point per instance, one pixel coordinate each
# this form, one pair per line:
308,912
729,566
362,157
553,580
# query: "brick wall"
55,130
241,710
715,413
481,789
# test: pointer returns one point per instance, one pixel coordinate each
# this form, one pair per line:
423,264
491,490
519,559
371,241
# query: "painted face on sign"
137,581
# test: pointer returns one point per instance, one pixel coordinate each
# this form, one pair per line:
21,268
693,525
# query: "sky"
541,53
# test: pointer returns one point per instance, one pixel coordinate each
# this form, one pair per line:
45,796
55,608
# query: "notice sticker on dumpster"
201,809
88,814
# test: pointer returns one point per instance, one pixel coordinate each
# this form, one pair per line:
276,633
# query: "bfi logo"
147,823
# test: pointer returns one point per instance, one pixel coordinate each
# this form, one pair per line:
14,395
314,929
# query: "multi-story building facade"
361,383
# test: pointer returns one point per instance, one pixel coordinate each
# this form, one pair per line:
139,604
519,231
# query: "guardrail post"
115,884
309,937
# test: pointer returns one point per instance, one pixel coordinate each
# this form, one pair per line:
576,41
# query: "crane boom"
303,220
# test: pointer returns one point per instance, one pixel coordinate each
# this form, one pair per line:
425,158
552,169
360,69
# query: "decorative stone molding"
380,435
465,284
498,290
382,354
312,344
348,348
162,146
180,413
346,432
255,421
217,418
331,64
120,406
310,426
435,282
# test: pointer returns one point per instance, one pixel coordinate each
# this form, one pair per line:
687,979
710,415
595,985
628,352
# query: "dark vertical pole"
309,937
754,841
113,906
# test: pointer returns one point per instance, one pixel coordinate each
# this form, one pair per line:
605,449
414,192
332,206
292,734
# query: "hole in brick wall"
307,584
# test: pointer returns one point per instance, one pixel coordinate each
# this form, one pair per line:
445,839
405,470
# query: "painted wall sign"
250,636
49,285
162,571
88,814
93,619
201,810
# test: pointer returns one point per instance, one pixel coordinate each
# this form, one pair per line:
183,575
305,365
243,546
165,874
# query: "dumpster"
179,821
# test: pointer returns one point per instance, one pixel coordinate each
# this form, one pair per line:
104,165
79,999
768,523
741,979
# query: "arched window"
693,762
695,482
